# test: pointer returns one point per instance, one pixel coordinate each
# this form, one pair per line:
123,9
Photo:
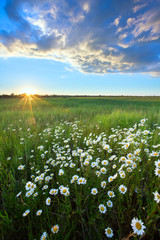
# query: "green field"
67,135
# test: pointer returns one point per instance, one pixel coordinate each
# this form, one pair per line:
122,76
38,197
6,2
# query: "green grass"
77,215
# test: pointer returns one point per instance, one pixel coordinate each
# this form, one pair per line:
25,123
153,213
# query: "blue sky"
80,47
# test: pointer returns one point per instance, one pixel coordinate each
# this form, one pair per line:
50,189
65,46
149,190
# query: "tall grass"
53,121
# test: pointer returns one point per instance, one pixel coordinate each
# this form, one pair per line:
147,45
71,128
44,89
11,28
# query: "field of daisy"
80,168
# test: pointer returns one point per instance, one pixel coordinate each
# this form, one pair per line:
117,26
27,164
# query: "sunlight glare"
28,91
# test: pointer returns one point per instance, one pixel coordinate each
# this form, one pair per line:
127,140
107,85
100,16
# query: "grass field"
72,159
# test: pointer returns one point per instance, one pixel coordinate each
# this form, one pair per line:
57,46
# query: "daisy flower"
157,172
122,189
111,194
39,212
48,201
103,170
109,203
103,184
94,191
102,208
55,229
109,232
156,196
157,163
137,226
26,213
44,236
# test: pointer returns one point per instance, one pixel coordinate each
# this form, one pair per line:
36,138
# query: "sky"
90,47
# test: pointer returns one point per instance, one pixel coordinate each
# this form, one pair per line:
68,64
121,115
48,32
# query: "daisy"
103,170
44,236
55,229
137,226
157,172
26,213
103,184
111,194
156,196
157,163
102,208
109,203
65,191
94,191
109,232
122,189
39,212
48,201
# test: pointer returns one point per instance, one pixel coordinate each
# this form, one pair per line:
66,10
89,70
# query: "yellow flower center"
159,164
138,226
111,194
158,171
55,229
122,189
155,154
102,208
109,231
64,190
158,196
44,238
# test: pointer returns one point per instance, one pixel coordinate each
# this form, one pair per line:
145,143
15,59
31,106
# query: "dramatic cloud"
93,36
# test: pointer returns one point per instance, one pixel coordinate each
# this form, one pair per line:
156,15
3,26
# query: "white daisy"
55,228
137,226
109,232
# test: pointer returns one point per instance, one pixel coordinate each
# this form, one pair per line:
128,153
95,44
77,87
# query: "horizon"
80,48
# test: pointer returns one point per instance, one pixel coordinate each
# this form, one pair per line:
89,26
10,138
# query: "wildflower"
122,189
21,167
103,184
102,208
53,191
81,181
110,179
65,191
103,170
105,162
26,213
55,228
44,236
156,196
94,191
157,163
109,203
48,201
109,232
61,172
45,187
106,147
39,212
9,158
35,194
137,226
157,172
111,194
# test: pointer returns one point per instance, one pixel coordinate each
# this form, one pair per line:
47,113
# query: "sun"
28,91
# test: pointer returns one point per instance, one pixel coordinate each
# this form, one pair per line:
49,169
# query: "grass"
55,123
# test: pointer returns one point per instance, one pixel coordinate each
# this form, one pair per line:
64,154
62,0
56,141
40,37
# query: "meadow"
80,168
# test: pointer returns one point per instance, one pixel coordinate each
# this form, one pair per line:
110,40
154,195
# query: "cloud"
116,21
92,36
69,69
138,7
